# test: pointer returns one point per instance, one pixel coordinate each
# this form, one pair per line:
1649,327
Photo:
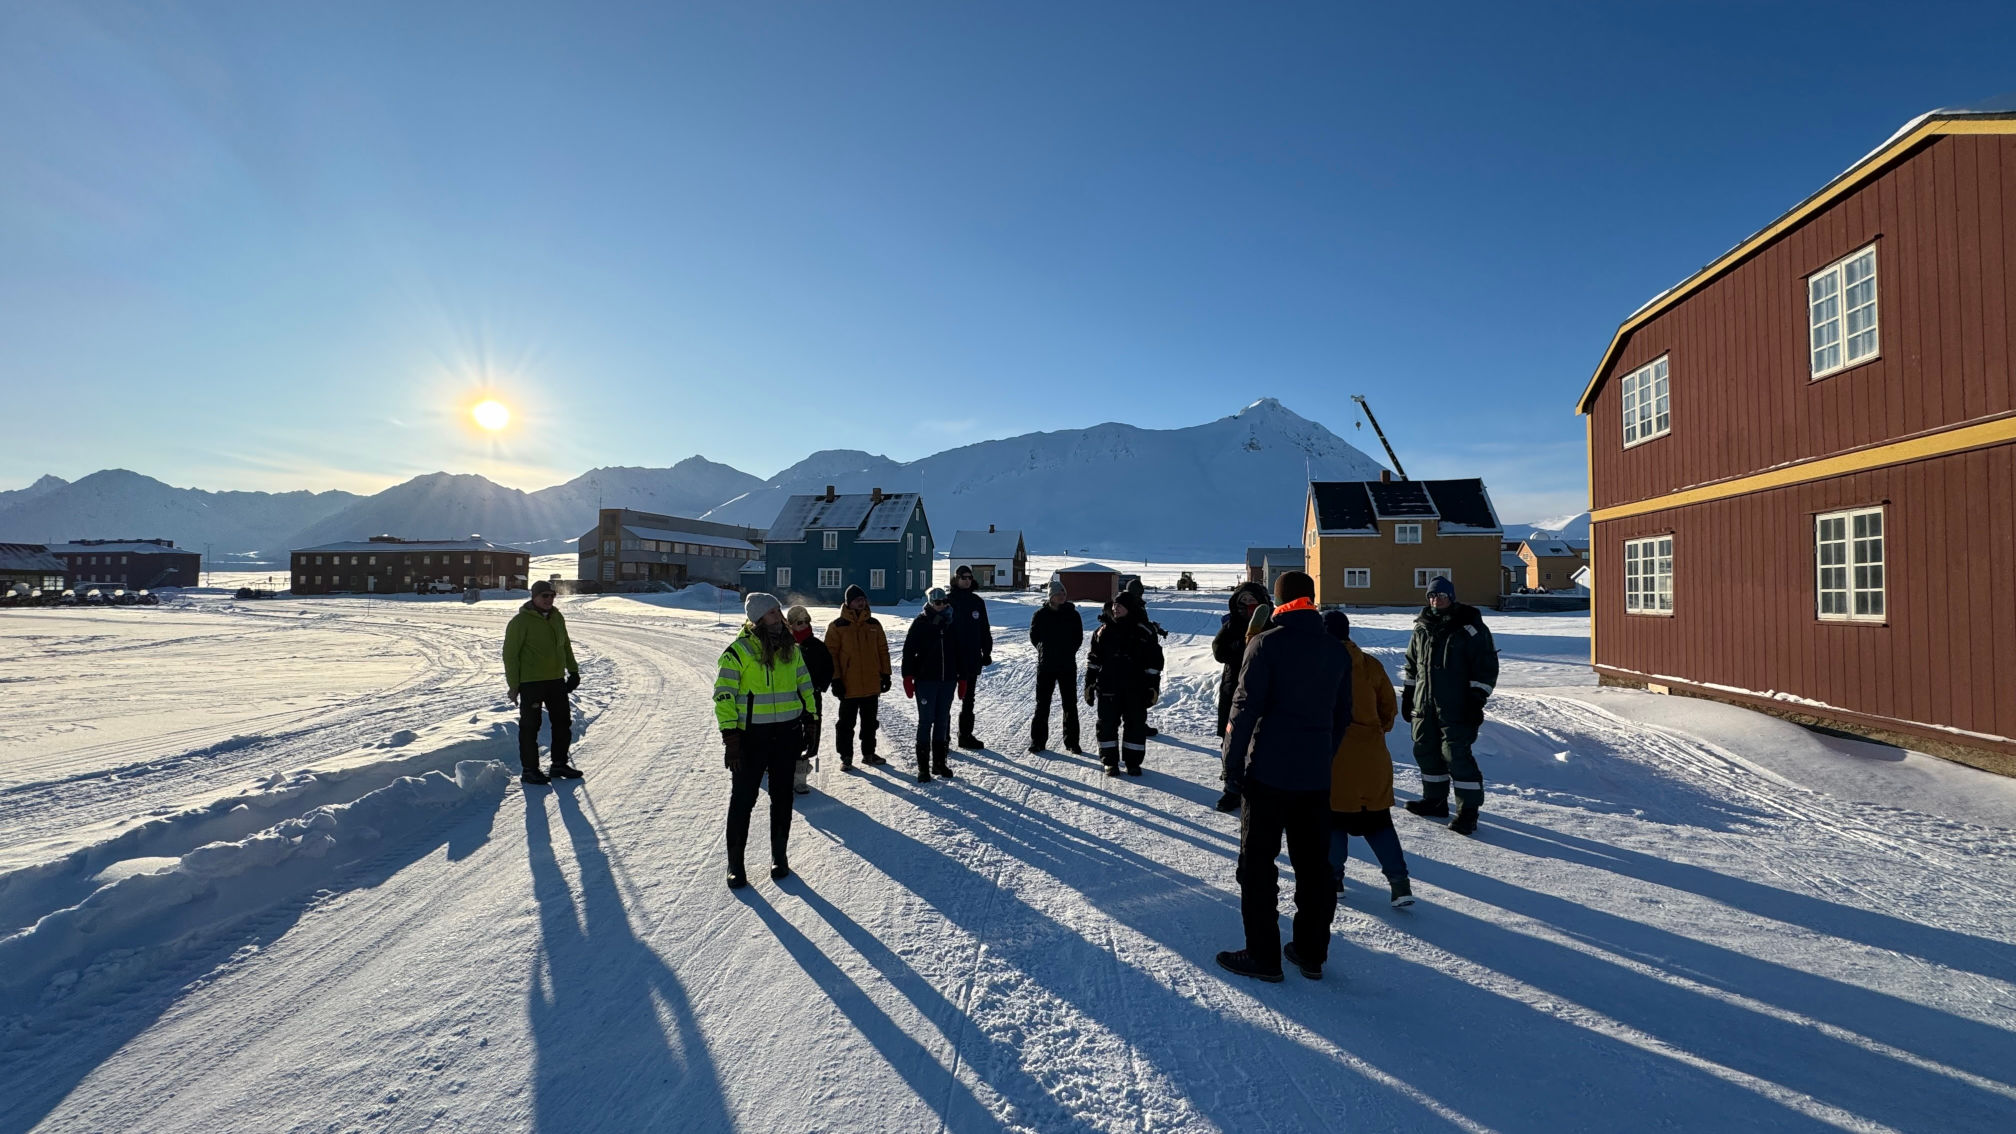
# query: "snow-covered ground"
260,870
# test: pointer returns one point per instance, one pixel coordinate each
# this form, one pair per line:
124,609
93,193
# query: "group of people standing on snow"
1302,713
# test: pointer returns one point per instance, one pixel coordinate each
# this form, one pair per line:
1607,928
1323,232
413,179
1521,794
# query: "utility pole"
1390,455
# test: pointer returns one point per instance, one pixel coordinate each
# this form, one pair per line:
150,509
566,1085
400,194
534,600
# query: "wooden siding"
1943,220
1744,597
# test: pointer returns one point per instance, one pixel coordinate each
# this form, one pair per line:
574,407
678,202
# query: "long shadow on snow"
56,1051
602,1058
1946,947
959,1109
1866,1083
1490,1058
1040,777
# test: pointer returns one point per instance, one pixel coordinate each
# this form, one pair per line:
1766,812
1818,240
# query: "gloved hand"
731,748
573,681
1230,802
811,737
1407,703
1091,695
986,660
1475,702
514,694
910,687
885,683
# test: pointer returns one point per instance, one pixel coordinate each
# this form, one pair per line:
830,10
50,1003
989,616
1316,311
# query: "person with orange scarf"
1289,715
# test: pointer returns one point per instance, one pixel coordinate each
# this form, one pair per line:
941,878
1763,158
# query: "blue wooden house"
820,545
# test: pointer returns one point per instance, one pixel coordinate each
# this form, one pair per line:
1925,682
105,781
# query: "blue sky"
280,247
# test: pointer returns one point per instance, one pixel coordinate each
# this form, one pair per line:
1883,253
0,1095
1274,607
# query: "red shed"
1088,582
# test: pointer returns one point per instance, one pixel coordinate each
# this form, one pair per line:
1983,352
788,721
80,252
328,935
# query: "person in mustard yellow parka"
1361,774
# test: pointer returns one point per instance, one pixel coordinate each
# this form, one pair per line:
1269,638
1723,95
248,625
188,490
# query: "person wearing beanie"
819,663
763,702
931,675
974,638
1361,773
1056,630
860,654
1139,592
1451,671
1289,716
539,673
1123,677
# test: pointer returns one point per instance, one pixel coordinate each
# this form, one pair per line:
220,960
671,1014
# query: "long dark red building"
1802,459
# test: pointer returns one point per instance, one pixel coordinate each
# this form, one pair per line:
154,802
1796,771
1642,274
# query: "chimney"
875,496
990,529
1385,476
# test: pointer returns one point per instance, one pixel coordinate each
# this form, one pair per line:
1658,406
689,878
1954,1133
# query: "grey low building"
1258,558
628,546
31,564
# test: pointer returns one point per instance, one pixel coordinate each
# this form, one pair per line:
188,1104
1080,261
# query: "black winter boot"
1429,809
1309,971
1243,963
780,870
1403,894
532,775
562,770
971,743
1465,822
872,760
923,768
941,767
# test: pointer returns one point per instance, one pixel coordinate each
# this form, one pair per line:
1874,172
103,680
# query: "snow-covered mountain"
1574,526
116,503
1205,492
445,505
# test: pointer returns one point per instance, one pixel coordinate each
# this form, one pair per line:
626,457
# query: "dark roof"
27,557
847,511
1462,506
1255,556
1343,506
1394,499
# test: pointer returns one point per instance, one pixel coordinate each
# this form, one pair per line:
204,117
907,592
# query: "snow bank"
220,883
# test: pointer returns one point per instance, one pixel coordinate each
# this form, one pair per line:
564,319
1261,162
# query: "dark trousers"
1376,828
1062,680
967,687
1443,752
772,751
934,719
1122,731
1304,817
865,709
551,696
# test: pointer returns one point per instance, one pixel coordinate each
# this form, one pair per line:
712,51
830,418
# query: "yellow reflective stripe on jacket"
748,692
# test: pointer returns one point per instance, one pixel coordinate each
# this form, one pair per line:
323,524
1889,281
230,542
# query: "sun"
492,415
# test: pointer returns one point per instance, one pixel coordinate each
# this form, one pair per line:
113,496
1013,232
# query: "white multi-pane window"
909,542
878,579
1426,575
1648,410
1848,557
1406,533
909,579
829,540
829,578
1841,312
783,577
1648,575
1357,578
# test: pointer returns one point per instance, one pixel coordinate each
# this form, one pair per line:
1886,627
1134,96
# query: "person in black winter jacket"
1229,646
819,663
1135,588
1056,630
1289,716
1123,676
974,637
1451,671
931,675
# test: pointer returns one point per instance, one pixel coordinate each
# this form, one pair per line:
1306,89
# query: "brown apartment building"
1803,458
387,565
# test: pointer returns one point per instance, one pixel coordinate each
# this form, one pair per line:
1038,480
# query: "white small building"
999,560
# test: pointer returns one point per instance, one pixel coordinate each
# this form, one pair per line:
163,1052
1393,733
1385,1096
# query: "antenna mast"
1390,455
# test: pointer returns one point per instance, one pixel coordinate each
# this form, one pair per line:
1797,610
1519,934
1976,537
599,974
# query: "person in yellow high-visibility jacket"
765,702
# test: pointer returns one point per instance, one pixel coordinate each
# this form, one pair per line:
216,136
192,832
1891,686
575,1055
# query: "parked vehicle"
252,593
148,598
1185,583
439,587
68,598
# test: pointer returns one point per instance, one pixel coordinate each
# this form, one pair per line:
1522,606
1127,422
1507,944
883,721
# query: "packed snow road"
1657,926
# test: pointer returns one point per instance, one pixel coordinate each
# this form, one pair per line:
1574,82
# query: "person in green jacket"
540,669
1452,669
